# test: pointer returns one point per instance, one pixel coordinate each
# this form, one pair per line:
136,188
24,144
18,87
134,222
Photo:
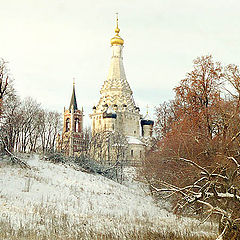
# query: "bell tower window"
76,125
67,125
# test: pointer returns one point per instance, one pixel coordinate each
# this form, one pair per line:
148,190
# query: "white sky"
48,42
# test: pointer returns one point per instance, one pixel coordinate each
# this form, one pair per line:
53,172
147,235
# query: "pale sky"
49,42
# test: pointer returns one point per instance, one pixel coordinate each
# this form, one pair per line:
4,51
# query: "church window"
140,154
67,125
76,125
134,132
105,126
131,153
113,126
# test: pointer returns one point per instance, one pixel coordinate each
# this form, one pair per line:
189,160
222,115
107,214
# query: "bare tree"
29,112
165,114
27,127
86,139
110,148
197,159
3,80
213,192
10,120
49,126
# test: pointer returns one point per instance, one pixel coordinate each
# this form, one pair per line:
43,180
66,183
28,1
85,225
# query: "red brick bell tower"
72,136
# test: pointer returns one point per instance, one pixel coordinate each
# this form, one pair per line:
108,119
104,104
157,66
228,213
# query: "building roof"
147,120
116,89
134,140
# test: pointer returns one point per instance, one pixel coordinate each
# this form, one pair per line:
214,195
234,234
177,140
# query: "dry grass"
79,217
47,223
66,232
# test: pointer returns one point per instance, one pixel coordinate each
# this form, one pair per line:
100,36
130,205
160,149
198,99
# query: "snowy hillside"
55,200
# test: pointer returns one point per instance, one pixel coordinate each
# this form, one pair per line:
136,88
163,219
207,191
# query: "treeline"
25,126
196,162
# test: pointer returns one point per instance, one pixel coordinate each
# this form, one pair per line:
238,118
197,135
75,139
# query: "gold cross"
117,19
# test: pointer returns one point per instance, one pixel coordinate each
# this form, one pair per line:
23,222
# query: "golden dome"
117,39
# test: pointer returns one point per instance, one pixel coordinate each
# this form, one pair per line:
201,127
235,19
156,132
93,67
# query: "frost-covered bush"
56,157
92,166
85,163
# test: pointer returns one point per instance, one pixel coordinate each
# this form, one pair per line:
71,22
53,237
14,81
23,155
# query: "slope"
56,200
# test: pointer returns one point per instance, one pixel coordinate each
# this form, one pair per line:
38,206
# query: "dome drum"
109,115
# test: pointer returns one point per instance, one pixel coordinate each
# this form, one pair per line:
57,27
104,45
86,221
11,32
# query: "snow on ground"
47,191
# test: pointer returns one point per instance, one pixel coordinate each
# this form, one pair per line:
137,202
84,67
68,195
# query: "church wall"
128,123
147,130
136,154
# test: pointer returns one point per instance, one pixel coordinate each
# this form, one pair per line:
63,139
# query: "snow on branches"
197,159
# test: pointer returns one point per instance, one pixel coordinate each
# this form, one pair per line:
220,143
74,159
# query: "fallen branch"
17,160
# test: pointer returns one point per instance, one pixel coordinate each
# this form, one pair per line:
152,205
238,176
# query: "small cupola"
147,126
147,120
109,113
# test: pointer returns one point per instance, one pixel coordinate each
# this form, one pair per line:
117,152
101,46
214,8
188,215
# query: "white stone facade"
116,109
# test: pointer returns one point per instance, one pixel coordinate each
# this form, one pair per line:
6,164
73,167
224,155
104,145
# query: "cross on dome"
117,40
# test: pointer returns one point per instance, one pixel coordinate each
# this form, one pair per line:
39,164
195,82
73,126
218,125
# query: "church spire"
73,102
116,89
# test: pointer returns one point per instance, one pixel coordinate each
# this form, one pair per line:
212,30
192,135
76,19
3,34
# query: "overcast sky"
49,42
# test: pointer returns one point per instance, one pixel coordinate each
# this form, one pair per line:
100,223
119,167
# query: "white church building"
116,109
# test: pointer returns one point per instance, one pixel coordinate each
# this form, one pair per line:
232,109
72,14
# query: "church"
116,111
70,143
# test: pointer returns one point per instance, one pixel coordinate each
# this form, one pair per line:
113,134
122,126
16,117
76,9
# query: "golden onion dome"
117,39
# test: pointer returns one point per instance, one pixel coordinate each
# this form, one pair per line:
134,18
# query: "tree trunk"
0,107
232,231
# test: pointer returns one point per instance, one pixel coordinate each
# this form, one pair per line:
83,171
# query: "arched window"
131,153
76,125
67,124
